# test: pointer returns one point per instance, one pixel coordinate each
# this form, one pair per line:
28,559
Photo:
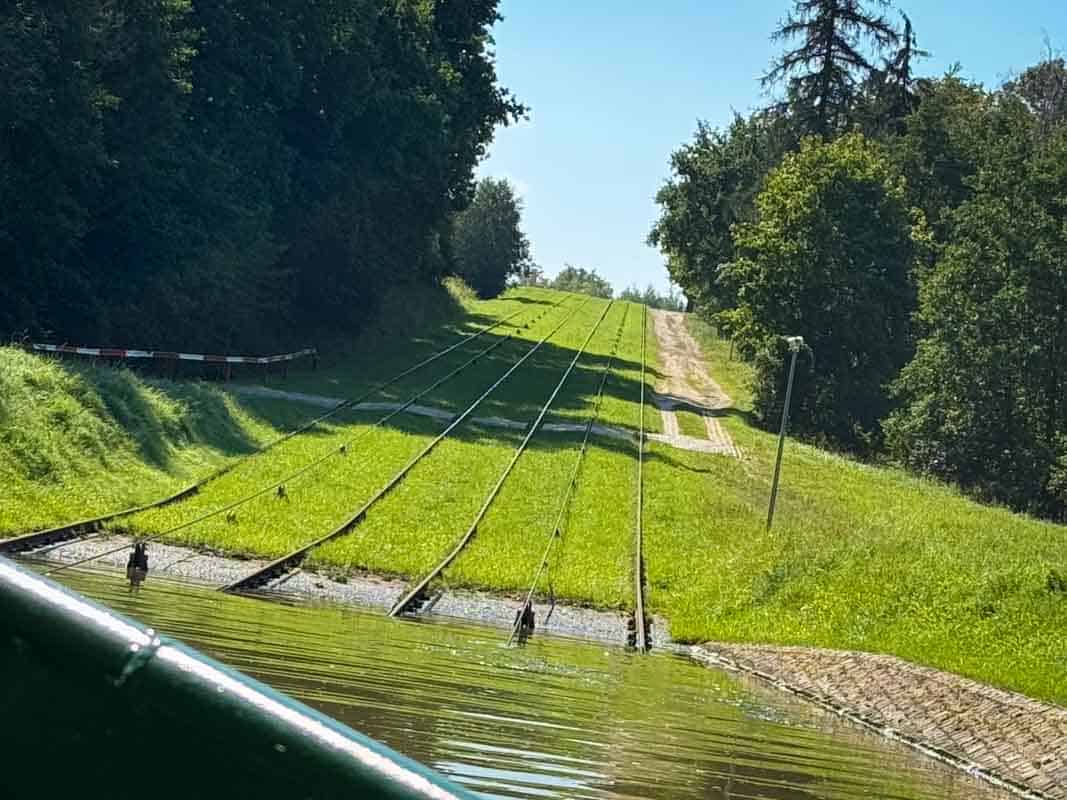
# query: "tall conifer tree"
823,72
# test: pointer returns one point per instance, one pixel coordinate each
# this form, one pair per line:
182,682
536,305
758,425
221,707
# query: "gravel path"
362,590
676,440
686,383
1004,737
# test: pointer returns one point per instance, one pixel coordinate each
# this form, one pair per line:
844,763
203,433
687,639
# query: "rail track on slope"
556,533
40,542
639,627
291,561
414,599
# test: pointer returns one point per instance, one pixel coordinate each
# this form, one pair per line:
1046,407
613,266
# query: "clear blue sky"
614,87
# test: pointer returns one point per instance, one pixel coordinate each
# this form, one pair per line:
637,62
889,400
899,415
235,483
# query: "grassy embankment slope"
860,557
413,527
78,442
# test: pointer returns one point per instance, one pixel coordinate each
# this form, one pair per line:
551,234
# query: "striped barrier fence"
112,352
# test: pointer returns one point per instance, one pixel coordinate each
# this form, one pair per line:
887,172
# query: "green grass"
733,375
413,528
383,353
78,442
691,424
860,557
315,503
592,561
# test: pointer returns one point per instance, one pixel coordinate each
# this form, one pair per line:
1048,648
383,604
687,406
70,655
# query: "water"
555,718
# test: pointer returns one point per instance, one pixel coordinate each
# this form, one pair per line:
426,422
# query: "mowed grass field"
78,442
861,557
412,527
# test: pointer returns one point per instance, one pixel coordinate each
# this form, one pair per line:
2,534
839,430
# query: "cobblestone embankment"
1009,739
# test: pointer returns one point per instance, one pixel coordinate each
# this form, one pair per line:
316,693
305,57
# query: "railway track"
415,597
556,533
285,565
639,626
36,540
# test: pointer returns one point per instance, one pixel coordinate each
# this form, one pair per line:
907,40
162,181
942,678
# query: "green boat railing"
93,704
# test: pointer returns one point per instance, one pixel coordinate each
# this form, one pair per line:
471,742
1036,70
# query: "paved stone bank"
1002,736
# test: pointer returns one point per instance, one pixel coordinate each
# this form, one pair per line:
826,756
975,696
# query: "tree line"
913,230
233,173
588,281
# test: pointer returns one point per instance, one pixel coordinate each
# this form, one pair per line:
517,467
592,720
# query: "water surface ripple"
554,718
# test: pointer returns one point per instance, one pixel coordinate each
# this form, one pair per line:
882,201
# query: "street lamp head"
795,343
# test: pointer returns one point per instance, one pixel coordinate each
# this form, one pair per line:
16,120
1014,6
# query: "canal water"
554,718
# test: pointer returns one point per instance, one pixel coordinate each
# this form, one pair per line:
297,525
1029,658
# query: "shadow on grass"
526,301
160,416
520,397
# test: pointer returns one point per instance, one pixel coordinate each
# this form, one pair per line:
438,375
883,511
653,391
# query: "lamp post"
795,343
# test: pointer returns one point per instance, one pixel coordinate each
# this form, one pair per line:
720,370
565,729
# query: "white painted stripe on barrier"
168,355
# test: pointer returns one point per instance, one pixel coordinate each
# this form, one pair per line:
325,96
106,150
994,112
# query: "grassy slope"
413,527
691,424
417,524
77,442
860,557
592,561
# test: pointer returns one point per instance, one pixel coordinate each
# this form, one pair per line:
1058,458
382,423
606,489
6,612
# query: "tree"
822,73
234,173
714,183
899,75
653,299
889,94
583,281
53,158
983,399
830,259
532,275
1043,87
937,151
488,246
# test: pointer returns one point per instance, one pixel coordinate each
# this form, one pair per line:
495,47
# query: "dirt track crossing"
685,383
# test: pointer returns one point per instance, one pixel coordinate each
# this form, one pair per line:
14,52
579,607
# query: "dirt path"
685,383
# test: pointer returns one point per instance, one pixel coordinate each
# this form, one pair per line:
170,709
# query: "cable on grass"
568,492
230,508
420,587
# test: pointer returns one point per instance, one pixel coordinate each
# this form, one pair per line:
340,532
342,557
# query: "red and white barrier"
111,352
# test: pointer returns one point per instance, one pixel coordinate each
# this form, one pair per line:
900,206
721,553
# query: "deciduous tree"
829,258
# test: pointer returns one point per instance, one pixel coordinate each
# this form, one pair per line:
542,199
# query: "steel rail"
403,604
556,531
293,559
334,451
73,530
640,623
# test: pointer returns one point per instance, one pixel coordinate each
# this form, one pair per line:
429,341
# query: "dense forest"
913,230
235,173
